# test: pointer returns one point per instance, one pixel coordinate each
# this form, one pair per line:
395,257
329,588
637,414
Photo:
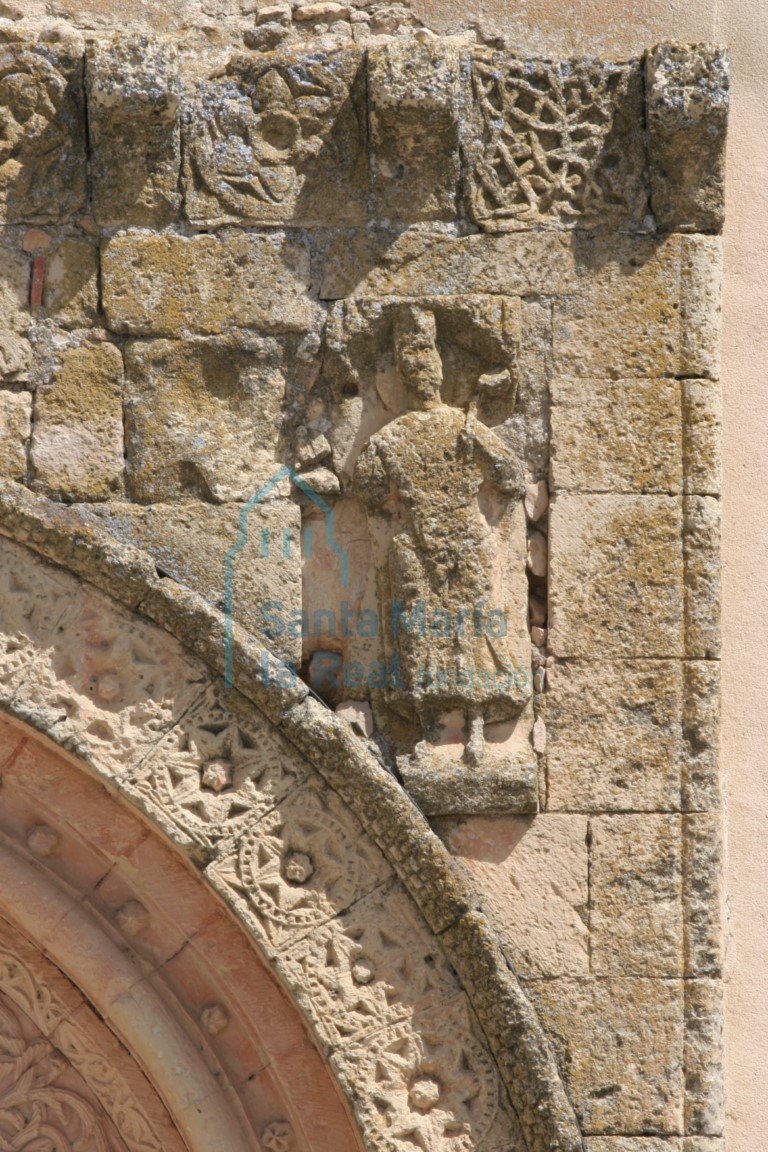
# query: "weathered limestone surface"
635,907
15,351
172,285
203,418
416,328
133,94
279,138
71,285
620,1044
533,873
43,157
614,739
191,542
15,427
687,121
616,576
617,436
77,442
413,90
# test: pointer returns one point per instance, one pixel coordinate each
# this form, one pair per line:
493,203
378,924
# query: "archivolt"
371,926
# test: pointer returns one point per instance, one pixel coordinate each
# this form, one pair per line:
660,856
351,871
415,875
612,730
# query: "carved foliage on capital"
555,143
281,137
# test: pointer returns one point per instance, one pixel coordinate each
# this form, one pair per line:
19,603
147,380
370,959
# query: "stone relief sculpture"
267,142
438,283
433,481
556,142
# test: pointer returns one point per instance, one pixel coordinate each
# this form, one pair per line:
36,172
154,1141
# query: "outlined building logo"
229,561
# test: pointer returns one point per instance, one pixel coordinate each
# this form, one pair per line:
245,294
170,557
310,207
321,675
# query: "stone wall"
229,267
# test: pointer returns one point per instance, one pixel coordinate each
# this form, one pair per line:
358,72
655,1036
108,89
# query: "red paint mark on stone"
38,279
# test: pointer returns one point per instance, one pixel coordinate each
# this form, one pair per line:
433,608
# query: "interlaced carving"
36,1113
31,996
546,152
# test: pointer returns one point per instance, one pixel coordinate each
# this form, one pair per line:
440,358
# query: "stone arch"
357,908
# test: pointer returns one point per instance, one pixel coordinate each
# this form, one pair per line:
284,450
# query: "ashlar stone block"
202,418
701,730
616,576
71,285
77,441
42,111
701,548
279,138
614,740
133,101
702,893
620,1045
616,436
15,350
704,1103
556,144
532,874
701,260
172,285
702,420
416,263
15,427
413,93
623,319
636,918
688,88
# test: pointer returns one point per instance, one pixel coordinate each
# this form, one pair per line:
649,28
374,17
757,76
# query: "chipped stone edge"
435,881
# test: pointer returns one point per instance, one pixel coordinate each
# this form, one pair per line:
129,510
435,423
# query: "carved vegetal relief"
33,1000
279,138
555,143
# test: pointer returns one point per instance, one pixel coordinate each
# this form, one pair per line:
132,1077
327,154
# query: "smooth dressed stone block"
616,576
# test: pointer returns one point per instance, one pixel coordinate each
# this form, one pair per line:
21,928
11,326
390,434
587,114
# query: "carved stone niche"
428,626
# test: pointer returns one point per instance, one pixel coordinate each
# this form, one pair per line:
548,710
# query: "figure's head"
418,360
